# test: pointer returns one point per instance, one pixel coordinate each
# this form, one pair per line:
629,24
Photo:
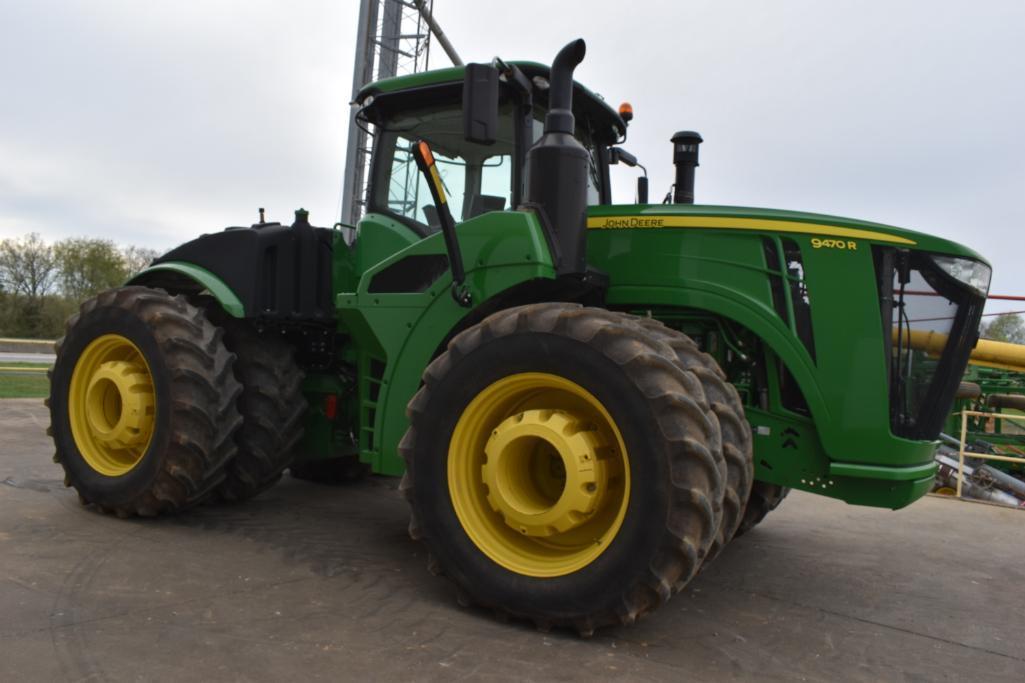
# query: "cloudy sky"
150,122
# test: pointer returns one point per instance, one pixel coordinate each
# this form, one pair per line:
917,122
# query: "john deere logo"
629,222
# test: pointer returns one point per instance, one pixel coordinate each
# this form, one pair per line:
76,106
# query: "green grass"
16,384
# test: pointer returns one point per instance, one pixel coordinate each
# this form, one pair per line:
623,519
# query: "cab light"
626,112
972,273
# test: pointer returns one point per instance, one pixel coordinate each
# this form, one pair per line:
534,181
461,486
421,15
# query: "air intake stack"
557,167
685,157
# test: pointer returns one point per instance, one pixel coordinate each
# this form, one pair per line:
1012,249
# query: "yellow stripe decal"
721,223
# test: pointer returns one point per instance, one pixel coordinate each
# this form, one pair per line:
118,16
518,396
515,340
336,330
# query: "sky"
152,122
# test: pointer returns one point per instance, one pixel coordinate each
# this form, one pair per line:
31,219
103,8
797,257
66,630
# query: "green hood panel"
661,216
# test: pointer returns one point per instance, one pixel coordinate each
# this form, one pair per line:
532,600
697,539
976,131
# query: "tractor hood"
661,216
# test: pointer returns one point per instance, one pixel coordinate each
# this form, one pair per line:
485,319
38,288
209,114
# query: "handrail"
984,456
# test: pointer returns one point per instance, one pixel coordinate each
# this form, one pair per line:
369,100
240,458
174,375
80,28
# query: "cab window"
477,178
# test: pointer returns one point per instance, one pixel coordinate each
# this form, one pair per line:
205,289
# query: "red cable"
1002,297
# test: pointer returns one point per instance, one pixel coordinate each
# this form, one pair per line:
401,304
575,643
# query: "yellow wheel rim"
112,405
538,474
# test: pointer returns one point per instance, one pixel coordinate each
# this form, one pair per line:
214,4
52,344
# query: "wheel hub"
119,399
544,471
538,474
112,405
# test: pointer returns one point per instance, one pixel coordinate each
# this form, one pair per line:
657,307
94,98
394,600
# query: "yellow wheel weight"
112,405
538,474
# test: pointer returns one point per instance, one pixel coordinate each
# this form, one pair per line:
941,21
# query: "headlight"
972,273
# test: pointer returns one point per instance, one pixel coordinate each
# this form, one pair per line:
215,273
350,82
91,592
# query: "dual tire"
765,498
566,465
155,408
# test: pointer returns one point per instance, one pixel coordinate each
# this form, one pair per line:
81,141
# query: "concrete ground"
315,583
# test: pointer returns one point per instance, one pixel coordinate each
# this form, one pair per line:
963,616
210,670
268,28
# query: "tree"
1006,328
137,258
41,285
28,270
88,266
27,266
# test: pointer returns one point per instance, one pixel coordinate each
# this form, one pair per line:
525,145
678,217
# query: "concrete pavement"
316,583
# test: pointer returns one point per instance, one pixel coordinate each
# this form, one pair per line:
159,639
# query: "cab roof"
586,104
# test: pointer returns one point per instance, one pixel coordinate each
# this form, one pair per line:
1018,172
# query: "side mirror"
480,104
642,190
619,155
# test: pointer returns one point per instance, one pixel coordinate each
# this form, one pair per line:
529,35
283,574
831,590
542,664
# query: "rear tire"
764,499
590,375
143,403
272,405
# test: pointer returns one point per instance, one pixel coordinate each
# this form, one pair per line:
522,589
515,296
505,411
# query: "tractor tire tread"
765,498
202,408
272,405
736,432
685,419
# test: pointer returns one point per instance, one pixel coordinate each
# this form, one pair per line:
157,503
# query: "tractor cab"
480,174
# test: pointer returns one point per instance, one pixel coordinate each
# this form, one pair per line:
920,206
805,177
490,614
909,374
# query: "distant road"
27,358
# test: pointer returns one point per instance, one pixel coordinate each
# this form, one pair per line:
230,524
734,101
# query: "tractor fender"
188,278
402,312
721,302
280,274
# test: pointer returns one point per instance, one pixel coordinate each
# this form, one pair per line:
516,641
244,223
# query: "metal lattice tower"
393,39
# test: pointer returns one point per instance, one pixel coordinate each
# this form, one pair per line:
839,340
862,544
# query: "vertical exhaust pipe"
557,166
560,104
685,158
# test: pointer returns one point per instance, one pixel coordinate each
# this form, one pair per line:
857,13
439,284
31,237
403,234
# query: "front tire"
142,403
765,498
562,468
736,432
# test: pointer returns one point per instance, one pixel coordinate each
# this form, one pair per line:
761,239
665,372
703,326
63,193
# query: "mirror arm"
425,162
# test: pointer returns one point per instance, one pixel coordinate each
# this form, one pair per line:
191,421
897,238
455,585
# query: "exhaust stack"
556,182
685,158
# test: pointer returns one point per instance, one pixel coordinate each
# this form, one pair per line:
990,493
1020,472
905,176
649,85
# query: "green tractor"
586,401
